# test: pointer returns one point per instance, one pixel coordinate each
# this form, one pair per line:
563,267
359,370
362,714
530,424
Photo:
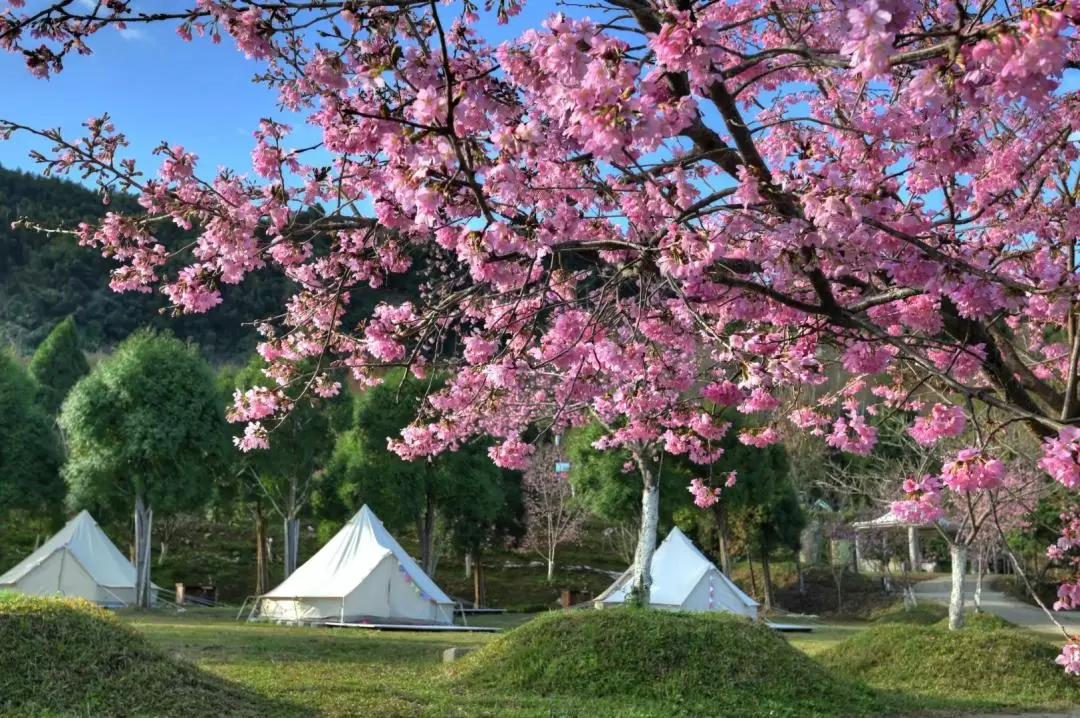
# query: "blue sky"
157,87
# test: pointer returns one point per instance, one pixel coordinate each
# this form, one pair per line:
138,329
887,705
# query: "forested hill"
43,278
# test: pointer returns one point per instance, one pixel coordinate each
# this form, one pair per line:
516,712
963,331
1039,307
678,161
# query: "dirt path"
1009,608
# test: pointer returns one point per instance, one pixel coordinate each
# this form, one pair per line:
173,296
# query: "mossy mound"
697,664
67,657
980,665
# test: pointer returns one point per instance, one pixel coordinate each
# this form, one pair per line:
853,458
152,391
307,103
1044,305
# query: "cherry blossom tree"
552,516
637,216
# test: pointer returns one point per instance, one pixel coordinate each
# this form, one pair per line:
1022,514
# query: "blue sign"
561,467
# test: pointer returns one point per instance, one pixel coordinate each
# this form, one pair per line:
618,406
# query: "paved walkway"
1009,608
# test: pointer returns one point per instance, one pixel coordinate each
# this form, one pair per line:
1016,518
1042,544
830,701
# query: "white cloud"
133,33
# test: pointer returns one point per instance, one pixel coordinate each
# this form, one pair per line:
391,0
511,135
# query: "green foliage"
300,445
978,666
147,421
464,485
30,450
697,664
72,658
613,494
58,364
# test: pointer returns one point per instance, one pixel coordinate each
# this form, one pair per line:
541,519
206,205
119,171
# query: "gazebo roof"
891,520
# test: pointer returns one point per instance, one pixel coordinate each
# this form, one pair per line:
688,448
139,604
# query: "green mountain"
45,277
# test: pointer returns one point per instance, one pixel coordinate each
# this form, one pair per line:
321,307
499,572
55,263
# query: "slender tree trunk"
720,512
292,544
427,537
913,548
479,599
980,564
641,581
144,520
799,573
468,564
766,578
262,563
164,549
958,553
753,580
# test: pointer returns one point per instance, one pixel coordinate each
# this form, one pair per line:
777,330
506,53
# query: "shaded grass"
71,658
694,664
986,665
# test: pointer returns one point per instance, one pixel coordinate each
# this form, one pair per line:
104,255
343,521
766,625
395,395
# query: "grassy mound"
700,664
71,658
926,614
982,665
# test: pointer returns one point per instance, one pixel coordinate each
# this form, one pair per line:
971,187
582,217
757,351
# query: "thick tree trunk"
958,553
262,562
766,579
720,512
427,538
641,581
144,521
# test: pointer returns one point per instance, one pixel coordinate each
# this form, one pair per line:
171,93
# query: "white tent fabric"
362,572
79,561
683,579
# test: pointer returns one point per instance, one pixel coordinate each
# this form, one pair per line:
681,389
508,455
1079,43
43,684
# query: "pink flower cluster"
943,421
1061,457
972,470
922,501
706,496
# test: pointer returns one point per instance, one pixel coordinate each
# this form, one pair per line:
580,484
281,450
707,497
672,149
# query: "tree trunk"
753,580
980,564
641,581
720,512
958,553
292,544
262,562
766,579
913,548
144,521
161,552
479,599
468,564
292,530
799,573
427,537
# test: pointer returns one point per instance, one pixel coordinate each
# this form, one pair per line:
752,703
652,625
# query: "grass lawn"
343,672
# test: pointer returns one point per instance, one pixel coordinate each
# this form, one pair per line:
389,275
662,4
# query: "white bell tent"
361,573
78,562
683,579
